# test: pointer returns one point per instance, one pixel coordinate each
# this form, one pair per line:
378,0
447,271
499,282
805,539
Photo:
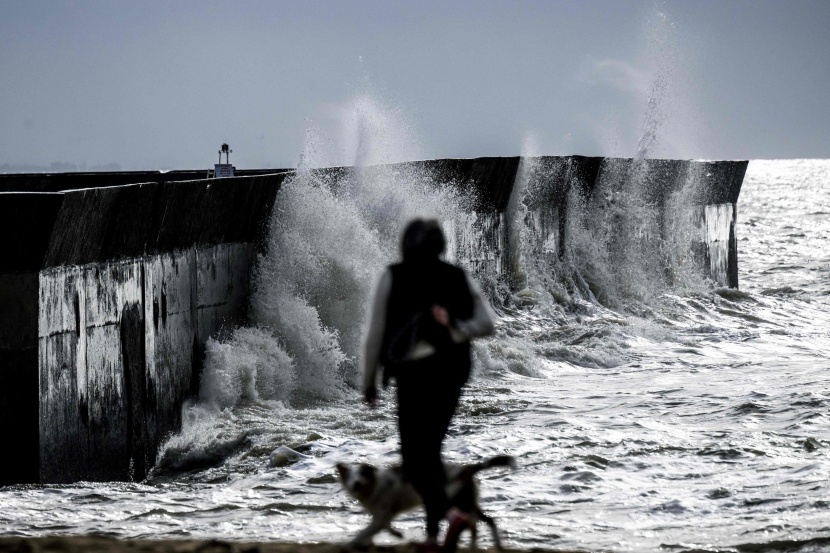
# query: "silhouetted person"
424,313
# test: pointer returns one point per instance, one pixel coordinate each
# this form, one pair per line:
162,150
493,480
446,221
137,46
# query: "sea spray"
375,133
332,232
249,366
334,229
634,238
313,284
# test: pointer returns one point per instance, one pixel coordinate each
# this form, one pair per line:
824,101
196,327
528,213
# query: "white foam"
249,366
331,235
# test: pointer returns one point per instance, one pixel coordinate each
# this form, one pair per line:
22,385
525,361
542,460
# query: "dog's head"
358,480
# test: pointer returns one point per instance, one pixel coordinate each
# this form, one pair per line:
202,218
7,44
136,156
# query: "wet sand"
90,544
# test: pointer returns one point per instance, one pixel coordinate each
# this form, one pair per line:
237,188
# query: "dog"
385,494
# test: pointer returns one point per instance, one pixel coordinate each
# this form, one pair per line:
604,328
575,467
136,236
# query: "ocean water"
645,413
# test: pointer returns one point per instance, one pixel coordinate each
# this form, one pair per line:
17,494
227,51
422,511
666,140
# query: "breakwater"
108,293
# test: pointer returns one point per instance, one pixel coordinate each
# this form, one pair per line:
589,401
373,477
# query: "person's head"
422,240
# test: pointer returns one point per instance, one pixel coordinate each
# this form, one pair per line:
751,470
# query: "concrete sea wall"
56,182
554,186
107,296
705,191
120,347
110,284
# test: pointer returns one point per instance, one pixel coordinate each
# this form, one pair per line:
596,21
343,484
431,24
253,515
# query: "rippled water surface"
696,420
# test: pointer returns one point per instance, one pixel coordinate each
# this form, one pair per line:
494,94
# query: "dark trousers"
428,394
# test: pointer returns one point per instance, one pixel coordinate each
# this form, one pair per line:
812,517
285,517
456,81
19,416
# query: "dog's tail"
498,461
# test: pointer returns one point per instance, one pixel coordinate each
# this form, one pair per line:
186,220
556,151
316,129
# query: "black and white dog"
385,494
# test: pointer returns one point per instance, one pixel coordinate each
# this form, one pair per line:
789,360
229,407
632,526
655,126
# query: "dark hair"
422,240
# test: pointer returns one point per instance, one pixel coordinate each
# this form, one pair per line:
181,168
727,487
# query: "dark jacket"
416,287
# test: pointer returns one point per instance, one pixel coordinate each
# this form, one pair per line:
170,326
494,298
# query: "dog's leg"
365,536
397,533
492,524
473,533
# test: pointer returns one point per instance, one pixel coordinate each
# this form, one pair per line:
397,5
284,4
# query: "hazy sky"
153,85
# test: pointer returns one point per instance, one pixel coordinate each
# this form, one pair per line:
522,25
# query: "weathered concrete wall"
107,296
26,222
134,281
552,185
56,182
82,418
110,223
120,350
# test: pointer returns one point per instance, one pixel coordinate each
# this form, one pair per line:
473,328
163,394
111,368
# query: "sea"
646,412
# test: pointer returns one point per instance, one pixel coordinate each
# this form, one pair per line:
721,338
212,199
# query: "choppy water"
678,418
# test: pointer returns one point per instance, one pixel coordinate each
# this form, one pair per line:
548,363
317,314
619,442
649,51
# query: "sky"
161,85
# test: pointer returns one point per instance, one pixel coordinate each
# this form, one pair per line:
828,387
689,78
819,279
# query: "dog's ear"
343,470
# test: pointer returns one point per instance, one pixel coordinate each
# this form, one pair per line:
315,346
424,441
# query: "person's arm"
373,337
482,323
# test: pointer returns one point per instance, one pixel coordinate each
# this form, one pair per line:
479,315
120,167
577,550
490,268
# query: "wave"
333,230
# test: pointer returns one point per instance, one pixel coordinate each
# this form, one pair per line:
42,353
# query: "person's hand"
441,315
370,397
